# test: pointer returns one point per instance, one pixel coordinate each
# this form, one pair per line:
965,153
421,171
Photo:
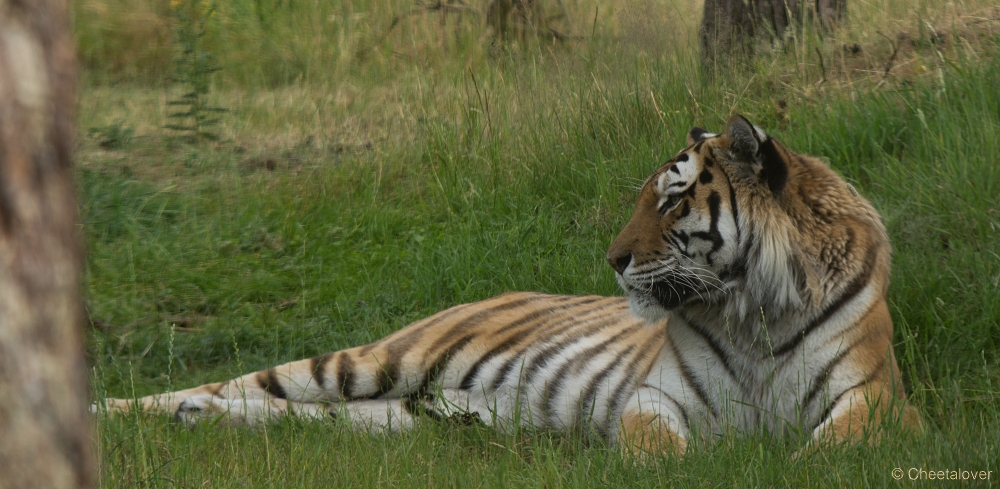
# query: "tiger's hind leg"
299,388
397,366
248,411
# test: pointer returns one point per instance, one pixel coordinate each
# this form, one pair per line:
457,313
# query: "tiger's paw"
198,408
645,437
111,406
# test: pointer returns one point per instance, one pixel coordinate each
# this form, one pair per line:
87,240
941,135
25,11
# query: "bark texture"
728,26
512,15
44,424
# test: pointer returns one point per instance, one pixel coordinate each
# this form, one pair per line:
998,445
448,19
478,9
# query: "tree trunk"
500,14
778,14
728,26
831,12
726,29
44,424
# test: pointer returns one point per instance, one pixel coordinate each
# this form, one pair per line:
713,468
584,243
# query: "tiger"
756,282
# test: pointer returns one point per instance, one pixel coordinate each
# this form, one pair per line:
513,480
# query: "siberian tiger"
756,281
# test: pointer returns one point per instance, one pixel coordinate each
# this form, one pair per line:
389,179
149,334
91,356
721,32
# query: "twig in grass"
150,345
459,7
892,59
822,66
697,108
484,102
363,52
657,107
593,30
184,324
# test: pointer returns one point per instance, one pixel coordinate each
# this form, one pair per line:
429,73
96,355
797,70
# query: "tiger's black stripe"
586,300
318,368
268,381
852,290
828,368
387,376
680,407
413,406
833,403
735,270
781,365
822,379
712,235
463,324
733,208
467,382
674,241
217,390
689,377
565,324
541,317
441,363
501,374
345,374
713,345
594,325
554,386
419,328
629,378
590,393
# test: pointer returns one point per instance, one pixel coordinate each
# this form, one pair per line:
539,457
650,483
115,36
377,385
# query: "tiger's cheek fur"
703,231
684,235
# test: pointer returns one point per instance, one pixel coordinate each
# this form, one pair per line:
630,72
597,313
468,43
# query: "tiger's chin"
657,302
647,308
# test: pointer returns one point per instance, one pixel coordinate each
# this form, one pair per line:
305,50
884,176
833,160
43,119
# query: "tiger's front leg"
650,425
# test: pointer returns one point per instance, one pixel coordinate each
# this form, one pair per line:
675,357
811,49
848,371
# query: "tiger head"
740,221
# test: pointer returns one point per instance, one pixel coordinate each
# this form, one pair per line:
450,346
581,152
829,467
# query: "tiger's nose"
619,260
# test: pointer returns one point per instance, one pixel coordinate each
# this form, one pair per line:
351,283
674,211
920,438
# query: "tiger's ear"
697,134
750,144
744,137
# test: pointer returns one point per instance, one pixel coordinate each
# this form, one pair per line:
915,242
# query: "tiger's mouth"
667,294
672,294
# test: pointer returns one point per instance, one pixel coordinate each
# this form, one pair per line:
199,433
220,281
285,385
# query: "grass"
349,196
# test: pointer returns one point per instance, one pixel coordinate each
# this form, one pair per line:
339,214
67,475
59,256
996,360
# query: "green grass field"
355,189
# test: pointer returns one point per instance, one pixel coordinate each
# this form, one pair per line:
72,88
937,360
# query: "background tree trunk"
500,14
726,29
44,425
728,26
